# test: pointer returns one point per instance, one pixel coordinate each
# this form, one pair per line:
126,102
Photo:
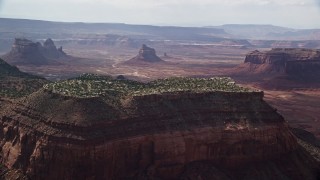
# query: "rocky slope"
14,83
182,128
26,52
145,55
294,62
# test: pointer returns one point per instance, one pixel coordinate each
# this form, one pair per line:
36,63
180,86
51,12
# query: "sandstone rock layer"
294,62
50,136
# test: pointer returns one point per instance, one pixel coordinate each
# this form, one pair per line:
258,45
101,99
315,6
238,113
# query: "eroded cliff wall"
148,136
295,62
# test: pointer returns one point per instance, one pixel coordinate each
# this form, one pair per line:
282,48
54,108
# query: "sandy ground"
299,108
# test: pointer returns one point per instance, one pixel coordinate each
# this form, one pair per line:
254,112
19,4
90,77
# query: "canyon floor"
181,61
299,107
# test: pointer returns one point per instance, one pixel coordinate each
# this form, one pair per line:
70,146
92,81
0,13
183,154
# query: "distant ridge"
172,32
269,32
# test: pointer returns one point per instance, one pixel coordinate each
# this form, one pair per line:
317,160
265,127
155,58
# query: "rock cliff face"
304,70
281,55
26,52
270,57
303,63
146,55
168,136
49,50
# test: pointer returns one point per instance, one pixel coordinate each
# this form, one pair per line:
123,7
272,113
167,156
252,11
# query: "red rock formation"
26,52
283,54
271,57
146,55
294,62
50,136
49,50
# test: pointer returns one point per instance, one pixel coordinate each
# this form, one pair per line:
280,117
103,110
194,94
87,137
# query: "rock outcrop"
146,55
295,62
8,70
169,135
282,55
50,51
26,52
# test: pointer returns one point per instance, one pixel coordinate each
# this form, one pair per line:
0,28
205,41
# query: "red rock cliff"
50,136
301,63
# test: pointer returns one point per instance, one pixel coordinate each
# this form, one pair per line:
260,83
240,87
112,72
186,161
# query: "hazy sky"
290,13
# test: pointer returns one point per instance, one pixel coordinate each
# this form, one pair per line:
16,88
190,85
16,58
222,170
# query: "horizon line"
157,25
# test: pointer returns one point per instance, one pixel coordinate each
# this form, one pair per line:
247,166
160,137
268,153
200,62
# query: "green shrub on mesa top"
90,85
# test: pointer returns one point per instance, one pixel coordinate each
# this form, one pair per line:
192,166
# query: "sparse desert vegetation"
90,85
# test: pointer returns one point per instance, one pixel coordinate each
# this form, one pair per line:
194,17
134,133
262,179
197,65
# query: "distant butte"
26,52
146,55
51,51
294,62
